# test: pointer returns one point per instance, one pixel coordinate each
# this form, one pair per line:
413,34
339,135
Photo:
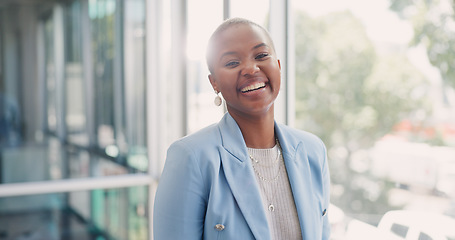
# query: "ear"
213,82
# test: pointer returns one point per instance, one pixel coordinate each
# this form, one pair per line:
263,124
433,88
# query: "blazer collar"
240,177
298,168
234,143
242,181
232,138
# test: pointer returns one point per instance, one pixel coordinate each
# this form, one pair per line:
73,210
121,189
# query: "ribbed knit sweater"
275,190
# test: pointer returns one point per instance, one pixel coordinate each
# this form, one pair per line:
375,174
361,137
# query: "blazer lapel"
240,177
299,174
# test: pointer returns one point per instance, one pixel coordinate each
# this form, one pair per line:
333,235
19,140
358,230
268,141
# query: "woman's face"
245,70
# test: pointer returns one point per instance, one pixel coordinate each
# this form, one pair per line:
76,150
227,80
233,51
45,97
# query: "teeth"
253,87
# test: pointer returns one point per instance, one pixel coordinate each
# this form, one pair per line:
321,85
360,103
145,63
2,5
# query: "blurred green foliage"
434,27
350,95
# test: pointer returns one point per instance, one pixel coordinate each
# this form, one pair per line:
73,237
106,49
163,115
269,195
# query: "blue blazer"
208,189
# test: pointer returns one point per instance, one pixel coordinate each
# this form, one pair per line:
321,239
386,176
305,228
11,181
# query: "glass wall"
106,54
50,96
75,97
202,110
97,214
134,85
81,174
244,9
372,81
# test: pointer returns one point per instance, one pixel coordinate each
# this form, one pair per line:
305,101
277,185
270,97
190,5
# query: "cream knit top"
276,193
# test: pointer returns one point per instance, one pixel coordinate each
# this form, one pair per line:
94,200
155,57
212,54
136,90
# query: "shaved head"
212,47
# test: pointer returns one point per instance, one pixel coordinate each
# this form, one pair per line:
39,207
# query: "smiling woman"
95,91
256,169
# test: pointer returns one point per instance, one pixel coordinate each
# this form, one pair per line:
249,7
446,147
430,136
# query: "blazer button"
324,212
219,227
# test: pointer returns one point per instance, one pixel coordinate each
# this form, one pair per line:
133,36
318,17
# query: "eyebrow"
260,45
233,52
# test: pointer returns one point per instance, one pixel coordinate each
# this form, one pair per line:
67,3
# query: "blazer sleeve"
326,189
180,202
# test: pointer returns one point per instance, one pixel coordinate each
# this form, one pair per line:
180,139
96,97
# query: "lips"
253,87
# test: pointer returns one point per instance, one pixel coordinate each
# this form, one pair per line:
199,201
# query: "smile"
253,87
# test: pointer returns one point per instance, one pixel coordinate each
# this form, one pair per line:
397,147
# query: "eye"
261,56
231,64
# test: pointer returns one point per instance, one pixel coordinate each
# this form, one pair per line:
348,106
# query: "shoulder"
296,136
304,144
196,149
189,159
206,137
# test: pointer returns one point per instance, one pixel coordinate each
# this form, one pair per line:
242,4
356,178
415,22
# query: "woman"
246,177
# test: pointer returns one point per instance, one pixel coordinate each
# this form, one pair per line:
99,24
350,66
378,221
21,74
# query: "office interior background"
92,92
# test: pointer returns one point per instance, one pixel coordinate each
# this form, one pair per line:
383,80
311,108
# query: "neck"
258,131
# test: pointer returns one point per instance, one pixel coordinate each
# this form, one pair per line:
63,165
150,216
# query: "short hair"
226,25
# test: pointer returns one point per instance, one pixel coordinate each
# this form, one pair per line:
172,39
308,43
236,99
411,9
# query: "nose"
250,68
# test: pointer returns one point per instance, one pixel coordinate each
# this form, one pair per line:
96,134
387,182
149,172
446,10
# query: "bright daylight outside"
375,80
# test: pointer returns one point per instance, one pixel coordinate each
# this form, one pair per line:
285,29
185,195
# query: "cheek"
275,79
273,72
226,80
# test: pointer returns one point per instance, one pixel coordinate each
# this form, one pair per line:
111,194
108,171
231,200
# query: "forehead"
240,35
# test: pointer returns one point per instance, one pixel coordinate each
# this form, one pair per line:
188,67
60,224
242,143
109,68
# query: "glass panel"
4,125
372,81
103,17
118,35
12,119
134,83
115,208
256,10
50,75
53,161
75,95
202,111
98,214
1,53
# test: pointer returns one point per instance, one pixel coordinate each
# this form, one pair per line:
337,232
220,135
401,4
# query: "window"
239,8
75,97
372,81
85,79
106,47
135,86
202,111
51,109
